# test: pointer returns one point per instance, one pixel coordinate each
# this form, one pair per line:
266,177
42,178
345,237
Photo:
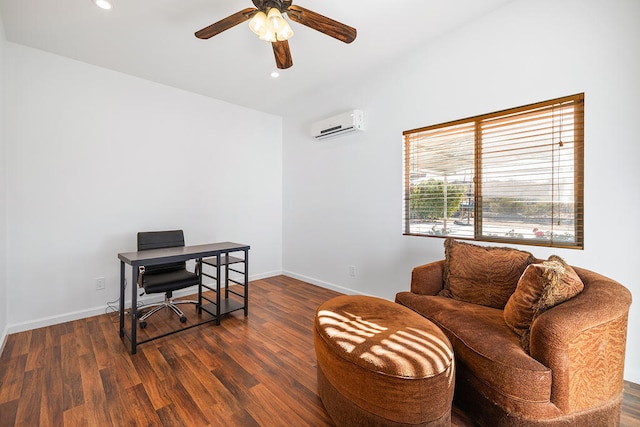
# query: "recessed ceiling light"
275,74
103,4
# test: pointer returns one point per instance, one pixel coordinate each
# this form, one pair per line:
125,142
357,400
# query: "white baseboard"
323,284
90,312
3,340
54,320
148,299
95,311
265,275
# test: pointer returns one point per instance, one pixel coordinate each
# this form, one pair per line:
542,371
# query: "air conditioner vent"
338,125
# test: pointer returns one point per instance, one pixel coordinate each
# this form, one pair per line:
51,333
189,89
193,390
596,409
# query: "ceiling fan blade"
226,23
282,54
321,23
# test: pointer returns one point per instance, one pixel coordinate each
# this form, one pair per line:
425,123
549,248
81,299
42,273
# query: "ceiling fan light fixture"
258,24
271,27
285,32
269,36
277,25
276,21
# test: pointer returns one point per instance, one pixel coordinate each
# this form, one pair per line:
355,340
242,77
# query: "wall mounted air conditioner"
338,125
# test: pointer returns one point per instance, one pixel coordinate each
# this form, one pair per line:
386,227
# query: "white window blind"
510,176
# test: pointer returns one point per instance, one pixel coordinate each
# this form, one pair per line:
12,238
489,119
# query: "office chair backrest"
158,240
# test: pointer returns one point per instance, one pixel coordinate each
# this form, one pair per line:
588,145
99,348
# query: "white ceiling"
154,40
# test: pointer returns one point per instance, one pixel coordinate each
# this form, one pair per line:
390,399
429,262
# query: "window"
512,176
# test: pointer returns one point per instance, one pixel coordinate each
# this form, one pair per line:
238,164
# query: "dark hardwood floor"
253,371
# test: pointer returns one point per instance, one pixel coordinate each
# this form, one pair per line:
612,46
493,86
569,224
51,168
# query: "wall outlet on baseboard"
100,283
352,270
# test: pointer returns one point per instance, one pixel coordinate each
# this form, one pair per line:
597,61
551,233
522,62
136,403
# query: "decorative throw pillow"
482,275
541,287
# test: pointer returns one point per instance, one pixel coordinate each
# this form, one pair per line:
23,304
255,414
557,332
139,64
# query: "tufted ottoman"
380,363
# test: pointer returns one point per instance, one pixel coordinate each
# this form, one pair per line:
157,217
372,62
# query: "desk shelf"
234,270
224,260
226,306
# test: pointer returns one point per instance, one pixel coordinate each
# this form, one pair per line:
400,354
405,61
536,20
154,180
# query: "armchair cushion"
485,346
541,287
482,275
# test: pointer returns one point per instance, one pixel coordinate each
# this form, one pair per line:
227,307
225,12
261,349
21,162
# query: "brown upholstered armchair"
573,375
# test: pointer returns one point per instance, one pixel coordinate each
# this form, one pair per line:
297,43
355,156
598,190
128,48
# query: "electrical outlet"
100,283
352,270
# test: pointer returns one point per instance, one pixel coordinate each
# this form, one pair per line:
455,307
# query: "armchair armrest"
427,279
583,341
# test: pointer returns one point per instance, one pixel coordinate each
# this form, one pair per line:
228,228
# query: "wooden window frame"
575,239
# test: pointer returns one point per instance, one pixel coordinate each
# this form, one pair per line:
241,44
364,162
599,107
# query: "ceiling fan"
267,22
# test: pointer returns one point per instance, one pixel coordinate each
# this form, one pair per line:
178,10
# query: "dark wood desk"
167,255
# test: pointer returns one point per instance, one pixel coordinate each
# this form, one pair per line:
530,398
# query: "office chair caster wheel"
183,319
143,324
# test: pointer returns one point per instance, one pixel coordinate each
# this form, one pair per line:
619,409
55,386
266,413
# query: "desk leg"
246,282
226,277
199,268
134,309
121,299
218,261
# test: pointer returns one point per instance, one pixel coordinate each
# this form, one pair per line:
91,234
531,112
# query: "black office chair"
165,277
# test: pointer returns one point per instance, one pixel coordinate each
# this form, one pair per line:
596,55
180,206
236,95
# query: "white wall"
343,197
94,156
3,199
